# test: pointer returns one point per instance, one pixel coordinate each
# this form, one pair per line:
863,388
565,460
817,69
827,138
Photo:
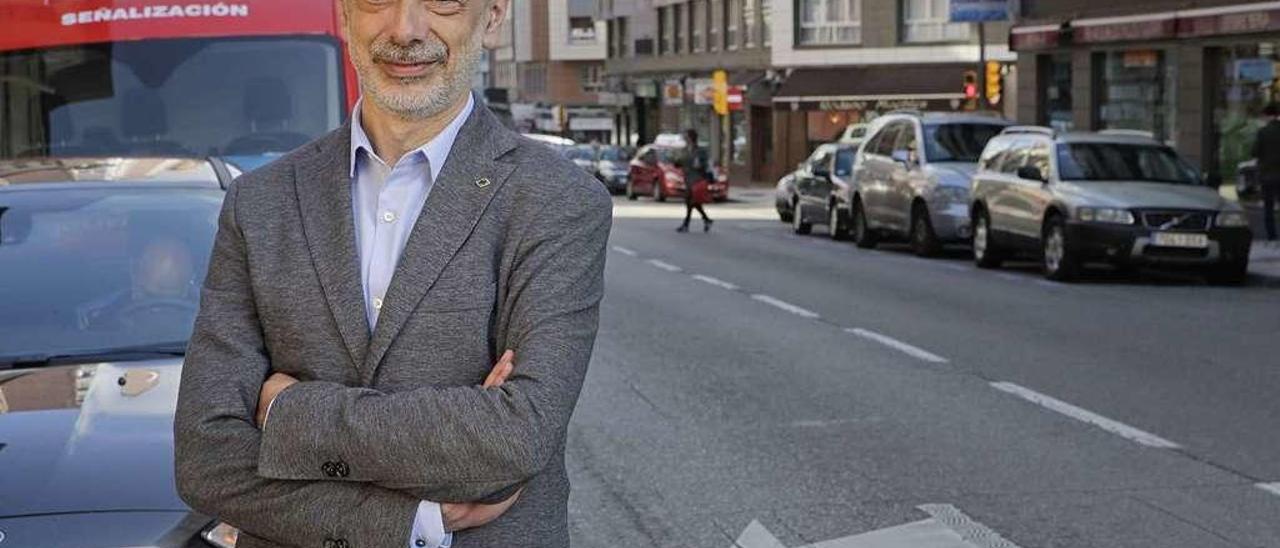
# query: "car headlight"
1105,215
951,194
220,534
673,177
1232,219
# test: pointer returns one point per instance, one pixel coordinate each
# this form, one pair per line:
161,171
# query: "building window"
717,23
734,20
766,33
582,31
1136,91
826,22
698,25
677,22
930,21
1055,92
749,24
623,37
592,78
664,30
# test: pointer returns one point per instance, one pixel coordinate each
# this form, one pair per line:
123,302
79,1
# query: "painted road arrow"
947,527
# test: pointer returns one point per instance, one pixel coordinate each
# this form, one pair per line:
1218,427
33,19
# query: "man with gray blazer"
340,387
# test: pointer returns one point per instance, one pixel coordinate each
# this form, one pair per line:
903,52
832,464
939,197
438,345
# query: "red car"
654,173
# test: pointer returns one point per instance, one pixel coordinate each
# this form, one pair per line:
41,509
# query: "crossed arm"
465,444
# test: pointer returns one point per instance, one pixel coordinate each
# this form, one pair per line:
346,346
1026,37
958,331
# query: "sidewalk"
1264,260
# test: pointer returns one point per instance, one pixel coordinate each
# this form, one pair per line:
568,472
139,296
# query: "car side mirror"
1031,173
903,157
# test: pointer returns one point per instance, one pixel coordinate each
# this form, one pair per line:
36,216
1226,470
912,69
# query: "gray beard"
455,83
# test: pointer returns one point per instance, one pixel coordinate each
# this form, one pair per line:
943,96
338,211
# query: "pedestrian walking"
697,175
340,387
1266,148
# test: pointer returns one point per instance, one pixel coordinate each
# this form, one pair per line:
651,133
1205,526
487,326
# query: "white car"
1116,197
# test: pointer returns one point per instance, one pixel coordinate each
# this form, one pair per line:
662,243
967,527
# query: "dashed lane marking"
1115,427
908,349
1273,488
716,282
784,305
665,265
624,251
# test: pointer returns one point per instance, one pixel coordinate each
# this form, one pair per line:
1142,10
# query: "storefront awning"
885,87
1165,25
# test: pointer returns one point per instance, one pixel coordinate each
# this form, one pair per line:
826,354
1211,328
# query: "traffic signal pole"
982,61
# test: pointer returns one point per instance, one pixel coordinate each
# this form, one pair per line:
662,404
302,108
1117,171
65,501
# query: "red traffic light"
970,91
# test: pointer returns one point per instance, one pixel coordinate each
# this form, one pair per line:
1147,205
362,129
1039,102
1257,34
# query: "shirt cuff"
428,527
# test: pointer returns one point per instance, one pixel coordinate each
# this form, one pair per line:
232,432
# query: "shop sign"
672,93
1030,38
1255,70
1125,32
702,91
880,105
1141,59
590,124
1229,23
976,11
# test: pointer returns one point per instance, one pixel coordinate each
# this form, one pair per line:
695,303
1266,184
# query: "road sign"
734,97
977,11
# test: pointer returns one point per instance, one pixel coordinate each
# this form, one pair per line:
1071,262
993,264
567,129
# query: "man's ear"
495,16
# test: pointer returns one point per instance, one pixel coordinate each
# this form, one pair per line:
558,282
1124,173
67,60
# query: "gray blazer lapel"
323,185
457,200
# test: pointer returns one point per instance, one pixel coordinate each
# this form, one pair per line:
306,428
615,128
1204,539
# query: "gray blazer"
509,252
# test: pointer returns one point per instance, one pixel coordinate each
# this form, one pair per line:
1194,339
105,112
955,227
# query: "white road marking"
624,251
1120,429
716,282
784,305
665,265
896,344
1273,488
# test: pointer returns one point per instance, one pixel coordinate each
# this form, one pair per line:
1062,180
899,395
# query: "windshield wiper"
117,353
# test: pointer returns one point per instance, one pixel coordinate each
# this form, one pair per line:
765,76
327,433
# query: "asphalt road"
749,374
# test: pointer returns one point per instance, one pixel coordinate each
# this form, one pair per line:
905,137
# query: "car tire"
924,242
863,236
1230,273
784,215
986,254
631,191
658,194
1059,263
836,226
797,221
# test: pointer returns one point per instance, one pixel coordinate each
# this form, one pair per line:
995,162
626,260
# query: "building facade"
1196,74
848,61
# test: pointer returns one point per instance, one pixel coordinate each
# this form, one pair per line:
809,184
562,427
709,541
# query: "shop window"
1055,92
592,78
1248,82
1136,92
828,22
930,21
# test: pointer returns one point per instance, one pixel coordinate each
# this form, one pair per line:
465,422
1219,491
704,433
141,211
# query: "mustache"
416,52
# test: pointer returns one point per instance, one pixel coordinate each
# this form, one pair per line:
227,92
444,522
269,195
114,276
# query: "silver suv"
911,178
1118,197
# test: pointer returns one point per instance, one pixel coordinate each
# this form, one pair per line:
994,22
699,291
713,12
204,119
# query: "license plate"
1176,239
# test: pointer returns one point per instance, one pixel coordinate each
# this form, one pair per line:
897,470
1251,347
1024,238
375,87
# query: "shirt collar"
436,150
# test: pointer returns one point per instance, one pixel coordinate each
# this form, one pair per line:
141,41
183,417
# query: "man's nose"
412,22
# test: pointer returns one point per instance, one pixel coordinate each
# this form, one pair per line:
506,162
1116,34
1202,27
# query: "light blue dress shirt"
386,201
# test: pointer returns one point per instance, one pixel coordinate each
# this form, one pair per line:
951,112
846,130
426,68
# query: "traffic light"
995,82
970,90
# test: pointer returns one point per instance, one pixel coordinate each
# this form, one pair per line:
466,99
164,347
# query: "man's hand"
275,384
473,514
501,370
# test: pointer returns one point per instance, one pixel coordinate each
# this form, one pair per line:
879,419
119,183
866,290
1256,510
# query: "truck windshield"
247,99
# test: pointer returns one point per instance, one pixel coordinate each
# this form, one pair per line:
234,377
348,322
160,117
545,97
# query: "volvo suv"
1117,197
911,179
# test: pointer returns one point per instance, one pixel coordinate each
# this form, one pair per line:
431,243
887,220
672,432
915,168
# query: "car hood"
609,165
73,439
155,529
954,173
1130,195
586,164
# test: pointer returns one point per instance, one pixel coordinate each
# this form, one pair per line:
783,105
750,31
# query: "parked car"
1247,186
103,265
655,171
612,168
911,178
817,189
785,192
1110,197
853,134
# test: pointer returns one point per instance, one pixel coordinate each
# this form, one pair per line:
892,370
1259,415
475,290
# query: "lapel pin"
482,182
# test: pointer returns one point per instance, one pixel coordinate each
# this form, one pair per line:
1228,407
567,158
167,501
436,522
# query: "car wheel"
784,215
1060,264
658,195
862,234
1230,273
631,191
797,221
923,240
839,230
985,252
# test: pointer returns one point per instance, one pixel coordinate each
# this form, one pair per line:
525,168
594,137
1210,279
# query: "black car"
103,264
785,196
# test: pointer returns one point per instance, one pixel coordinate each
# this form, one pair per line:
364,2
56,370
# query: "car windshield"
580,152
957,142
1123,162
612,154
97,267
246,99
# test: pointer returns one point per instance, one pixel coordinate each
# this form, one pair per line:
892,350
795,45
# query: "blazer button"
329,543
329,469
341,543
341,469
